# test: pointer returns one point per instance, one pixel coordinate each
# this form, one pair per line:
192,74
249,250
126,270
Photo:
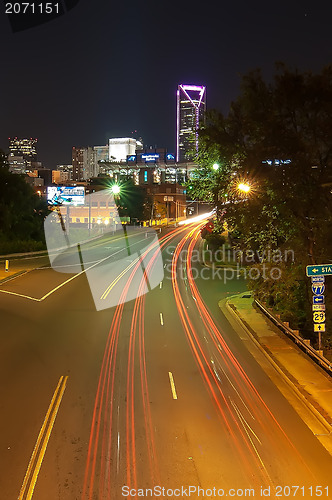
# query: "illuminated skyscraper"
24,148
84,163
190,114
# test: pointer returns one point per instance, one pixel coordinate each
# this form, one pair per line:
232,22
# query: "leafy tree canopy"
278,138
21,211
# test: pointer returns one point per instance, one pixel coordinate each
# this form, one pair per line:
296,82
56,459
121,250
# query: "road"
156,391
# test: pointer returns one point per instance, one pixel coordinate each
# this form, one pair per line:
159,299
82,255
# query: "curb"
26,254
12,276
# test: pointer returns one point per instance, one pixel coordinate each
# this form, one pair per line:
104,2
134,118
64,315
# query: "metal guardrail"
323,362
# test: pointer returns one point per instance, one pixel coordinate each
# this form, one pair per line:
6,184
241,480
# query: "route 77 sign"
319,270
318,289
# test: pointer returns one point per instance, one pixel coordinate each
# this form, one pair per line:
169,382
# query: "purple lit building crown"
190,114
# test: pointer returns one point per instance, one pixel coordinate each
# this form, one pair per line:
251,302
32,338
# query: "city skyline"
75,81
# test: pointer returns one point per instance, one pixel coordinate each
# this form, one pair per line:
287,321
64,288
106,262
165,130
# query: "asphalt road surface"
100,399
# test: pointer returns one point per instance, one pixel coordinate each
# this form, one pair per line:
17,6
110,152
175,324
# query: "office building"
60,177
25,148
66,171
77,161
190,115
120,148
17,164
85,164
102,153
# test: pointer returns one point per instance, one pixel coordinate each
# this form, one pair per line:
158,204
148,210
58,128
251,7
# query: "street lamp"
115,189
245,188
215,166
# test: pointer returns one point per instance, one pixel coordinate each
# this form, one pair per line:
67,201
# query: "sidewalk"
7,276
304,376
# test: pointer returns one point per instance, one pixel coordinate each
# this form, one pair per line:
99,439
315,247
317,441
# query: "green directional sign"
320,270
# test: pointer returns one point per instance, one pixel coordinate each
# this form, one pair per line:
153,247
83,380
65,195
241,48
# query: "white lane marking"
161,284
171,379
161,319
65,282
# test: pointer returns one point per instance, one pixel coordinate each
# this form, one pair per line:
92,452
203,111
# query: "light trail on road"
228,418
104,401
243,435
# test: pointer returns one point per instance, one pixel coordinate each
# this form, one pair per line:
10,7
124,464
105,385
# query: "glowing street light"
215,166
245,188
115,189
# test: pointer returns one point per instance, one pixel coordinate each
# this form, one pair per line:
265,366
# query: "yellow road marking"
20,295
115,281
42,441
67,281
172,385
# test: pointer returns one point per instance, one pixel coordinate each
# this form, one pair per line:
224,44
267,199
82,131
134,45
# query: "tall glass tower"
190,114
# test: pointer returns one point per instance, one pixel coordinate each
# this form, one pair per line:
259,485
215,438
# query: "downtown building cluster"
161,172
127,157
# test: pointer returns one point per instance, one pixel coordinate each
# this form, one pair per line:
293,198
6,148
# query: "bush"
21,246
215,240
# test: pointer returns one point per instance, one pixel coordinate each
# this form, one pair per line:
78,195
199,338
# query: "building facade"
190,115
17,164
60,177
23,147
102,153
84,161
22,154
120,148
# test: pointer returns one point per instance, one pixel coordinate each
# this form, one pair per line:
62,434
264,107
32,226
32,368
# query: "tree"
21,211
133,201
277,137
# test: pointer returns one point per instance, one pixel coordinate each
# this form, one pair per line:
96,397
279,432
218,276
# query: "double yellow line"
38,453
141,258
117,279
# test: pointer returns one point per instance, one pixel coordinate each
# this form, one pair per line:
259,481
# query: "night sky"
107,68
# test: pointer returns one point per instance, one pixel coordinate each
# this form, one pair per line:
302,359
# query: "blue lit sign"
131,158
277,162
170,157
150,157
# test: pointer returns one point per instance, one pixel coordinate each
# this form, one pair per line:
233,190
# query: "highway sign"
318,307
317,279
319,328
318,289
318,299
319,270
318,317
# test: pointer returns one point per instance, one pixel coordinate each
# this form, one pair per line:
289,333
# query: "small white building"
120,148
